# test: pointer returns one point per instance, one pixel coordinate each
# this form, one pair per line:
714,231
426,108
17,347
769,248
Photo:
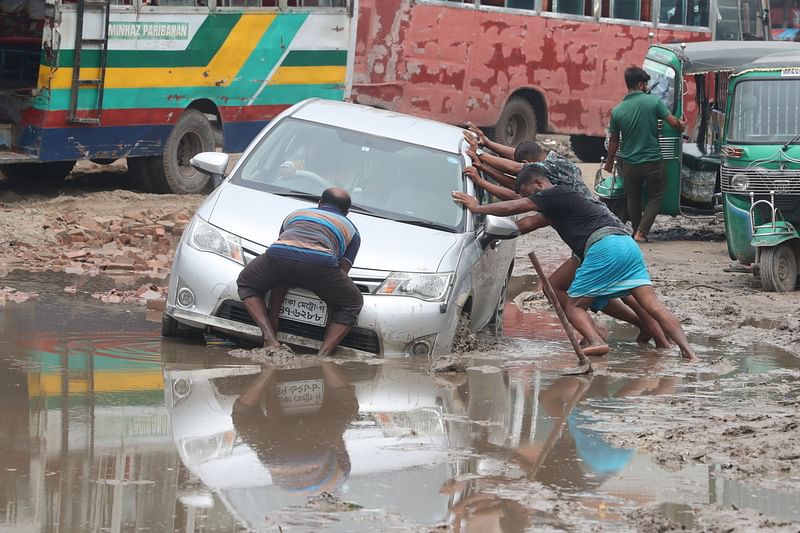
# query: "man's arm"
349,257
673,121
501,192
613,146
503,179
501,149
509,166
501,209
532,223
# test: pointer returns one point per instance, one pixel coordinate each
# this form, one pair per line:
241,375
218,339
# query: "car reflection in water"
264,440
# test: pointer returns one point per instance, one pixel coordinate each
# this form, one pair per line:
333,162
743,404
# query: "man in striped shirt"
314,251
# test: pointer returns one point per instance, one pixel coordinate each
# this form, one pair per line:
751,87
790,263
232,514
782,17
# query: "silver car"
426,265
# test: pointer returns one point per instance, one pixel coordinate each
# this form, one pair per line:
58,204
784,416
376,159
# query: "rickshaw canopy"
719,56
783,60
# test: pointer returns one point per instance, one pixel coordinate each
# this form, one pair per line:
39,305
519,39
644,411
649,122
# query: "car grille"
783,182
358,338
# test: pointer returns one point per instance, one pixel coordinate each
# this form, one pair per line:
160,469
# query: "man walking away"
314,251
636,118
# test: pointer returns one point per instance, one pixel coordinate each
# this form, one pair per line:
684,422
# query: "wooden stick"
551,295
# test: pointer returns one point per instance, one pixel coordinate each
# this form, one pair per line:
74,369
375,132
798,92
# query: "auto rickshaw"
692,164
760,172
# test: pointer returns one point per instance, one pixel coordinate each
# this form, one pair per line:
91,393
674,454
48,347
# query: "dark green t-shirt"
636,119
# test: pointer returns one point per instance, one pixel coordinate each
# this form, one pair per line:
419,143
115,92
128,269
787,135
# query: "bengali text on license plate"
301,395
305,309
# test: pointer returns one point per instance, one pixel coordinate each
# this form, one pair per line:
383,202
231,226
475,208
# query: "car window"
385,177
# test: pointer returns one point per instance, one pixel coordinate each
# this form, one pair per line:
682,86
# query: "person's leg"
583,323
560,280
655,176
254,281
257,309
646,297
649,327
632,182
344,302
276,297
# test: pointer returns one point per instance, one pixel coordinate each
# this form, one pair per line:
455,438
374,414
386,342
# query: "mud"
495,439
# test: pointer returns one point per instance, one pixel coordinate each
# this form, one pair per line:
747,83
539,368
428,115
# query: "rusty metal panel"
455,64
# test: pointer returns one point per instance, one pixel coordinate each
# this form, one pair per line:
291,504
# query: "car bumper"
387,325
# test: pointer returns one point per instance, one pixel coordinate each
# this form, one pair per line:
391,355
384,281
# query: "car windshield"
765,111
662,82
385,178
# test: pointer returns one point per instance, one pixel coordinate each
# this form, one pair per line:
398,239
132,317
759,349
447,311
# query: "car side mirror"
212,163
498,228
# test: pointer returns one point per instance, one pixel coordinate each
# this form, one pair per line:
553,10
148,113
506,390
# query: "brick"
75,254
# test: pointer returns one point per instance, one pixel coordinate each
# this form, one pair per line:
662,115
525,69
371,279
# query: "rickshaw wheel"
778,268
618,206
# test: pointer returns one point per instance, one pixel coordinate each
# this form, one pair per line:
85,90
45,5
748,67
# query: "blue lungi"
613,266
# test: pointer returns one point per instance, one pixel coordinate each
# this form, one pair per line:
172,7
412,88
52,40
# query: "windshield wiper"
364,210
425,224
386,215
297,194
794,140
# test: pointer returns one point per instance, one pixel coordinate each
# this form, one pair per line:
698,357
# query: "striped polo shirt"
321,235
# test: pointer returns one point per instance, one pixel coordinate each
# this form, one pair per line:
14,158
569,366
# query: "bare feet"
643,337
640,237
689,355
596,350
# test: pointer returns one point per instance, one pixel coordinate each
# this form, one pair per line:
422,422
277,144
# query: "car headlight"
208,238
739,182
428,287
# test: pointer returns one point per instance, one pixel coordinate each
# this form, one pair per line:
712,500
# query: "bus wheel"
778,268
517,123
51,171
191,135
587,149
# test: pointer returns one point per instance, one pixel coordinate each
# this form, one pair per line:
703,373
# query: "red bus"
518,67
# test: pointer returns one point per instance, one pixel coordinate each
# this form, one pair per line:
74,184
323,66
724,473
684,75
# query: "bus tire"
517,122
191,135
777,266
587,149
50,171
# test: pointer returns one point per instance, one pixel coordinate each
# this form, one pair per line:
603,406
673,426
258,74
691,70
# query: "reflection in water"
124,431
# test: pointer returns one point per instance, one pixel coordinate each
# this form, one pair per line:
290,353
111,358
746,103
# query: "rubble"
115,233
144,294
10,294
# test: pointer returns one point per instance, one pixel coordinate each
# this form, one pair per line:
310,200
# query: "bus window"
685,12
520,4
568,7
625,9
322,3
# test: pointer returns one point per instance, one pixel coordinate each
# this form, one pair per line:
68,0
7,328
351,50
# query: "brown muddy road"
111,427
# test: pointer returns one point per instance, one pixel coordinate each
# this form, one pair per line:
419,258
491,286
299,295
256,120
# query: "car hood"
385,244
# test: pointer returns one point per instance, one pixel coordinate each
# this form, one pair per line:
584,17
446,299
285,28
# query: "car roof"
774,61
711,56
382,123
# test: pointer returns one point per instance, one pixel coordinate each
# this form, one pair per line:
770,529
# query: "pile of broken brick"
137,243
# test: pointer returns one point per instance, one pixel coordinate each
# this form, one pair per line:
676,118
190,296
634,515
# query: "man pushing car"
315,249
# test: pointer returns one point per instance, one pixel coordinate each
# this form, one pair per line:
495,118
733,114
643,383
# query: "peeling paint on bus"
456,64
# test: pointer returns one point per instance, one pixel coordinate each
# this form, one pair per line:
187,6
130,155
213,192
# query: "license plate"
301,396
306,309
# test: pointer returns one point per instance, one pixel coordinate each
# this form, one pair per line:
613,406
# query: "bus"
158,81
520,67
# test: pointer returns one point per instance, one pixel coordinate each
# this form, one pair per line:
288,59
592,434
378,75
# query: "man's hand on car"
482,138
470,202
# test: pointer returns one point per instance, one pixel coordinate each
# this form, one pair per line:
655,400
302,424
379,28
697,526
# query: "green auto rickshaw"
760,172
692,163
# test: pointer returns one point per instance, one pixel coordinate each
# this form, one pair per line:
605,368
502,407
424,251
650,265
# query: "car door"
489,271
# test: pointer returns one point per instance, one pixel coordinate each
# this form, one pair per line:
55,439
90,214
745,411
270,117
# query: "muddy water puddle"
110,427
